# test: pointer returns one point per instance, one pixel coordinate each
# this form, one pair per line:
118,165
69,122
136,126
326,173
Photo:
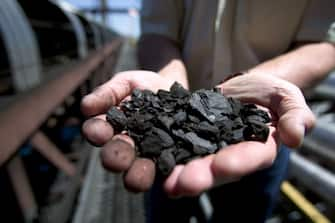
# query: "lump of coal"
154,141
200,146
166,162
176,126
117,119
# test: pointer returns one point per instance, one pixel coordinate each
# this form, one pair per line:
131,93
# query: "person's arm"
162,55
304,66
281,79
159,47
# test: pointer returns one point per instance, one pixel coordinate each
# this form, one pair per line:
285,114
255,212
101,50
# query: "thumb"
294,120
108,94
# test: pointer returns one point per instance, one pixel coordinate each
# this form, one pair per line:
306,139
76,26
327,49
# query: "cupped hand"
235,161
118,150
291,119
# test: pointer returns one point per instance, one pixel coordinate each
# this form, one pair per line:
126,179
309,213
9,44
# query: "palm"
229,164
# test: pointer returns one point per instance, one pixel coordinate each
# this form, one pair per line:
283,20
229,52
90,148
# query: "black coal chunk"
117,119
256,130
166,162
155,140
176,126
200,146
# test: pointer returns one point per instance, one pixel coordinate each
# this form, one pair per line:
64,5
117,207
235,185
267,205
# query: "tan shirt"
219,37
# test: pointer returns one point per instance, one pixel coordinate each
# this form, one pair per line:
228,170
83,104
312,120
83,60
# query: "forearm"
159,54
304,67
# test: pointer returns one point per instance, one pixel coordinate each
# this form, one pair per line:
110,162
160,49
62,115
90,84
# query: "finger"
227,165
244,158
294,120
97,131
118,154
108,94
171,181
195,177
140,176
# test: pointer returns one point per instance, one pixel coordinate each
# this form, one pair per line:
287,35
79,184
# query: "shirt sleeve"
331,34
163,17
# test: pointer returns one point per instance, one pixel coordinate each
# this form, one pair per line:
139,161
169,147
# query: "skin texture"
140,176
265,85
117,155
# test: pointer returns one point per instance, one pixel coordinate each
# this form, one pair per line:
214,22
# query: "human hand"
198,175
291,119
118,152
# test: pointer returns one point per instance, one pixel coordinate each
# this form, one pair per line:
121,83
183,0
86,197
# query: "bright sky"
122,23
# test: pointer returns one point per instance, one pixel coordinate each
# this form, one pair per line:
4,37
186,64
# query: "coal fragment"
150,146
210,105
117,119
166,162
256,130
176,126
222,144
154,141
181,155
200,146
207,130
166,121
178,91
180,117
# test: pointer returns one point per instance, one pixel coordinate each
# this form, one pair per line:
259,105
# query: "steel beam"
50,151
23,190
20,119
61,211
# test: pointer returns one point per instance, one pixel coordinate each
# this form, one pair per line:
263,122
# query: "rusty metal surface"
103,198
50,151
20,119
60,211
22,189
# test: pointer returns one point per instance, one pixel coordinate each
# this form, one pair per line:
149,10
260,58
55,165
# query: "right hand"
118,151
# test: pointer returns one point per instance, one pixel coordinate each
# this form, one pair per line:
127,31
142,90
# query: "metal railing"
20,122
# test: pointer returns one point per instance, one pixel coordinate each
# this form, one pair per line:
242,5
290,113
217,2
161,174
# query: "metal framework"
21,46
15,127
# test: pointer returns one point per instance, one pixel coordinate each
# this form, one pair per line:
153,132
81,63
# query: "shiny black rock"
176,126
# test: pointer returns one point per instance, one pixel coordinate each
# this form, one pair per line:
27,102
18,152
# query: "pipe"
320,142
303,204
313,176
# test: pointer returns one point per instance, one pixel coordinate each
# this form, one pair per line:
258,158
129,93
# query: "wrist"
175,71
230,76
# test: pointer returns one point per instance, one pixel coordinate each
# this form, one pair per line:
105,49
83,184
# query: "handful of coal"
176,126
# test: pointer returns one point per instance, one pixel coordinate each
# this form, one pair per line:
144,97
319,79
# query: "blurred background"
52,53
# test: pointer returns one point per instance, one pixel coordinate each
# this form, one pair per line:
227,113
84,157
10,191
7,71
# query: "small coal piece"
176,126
117,119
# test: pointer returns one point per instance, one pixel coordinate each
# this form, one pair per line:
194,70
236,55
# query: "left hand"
291,119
